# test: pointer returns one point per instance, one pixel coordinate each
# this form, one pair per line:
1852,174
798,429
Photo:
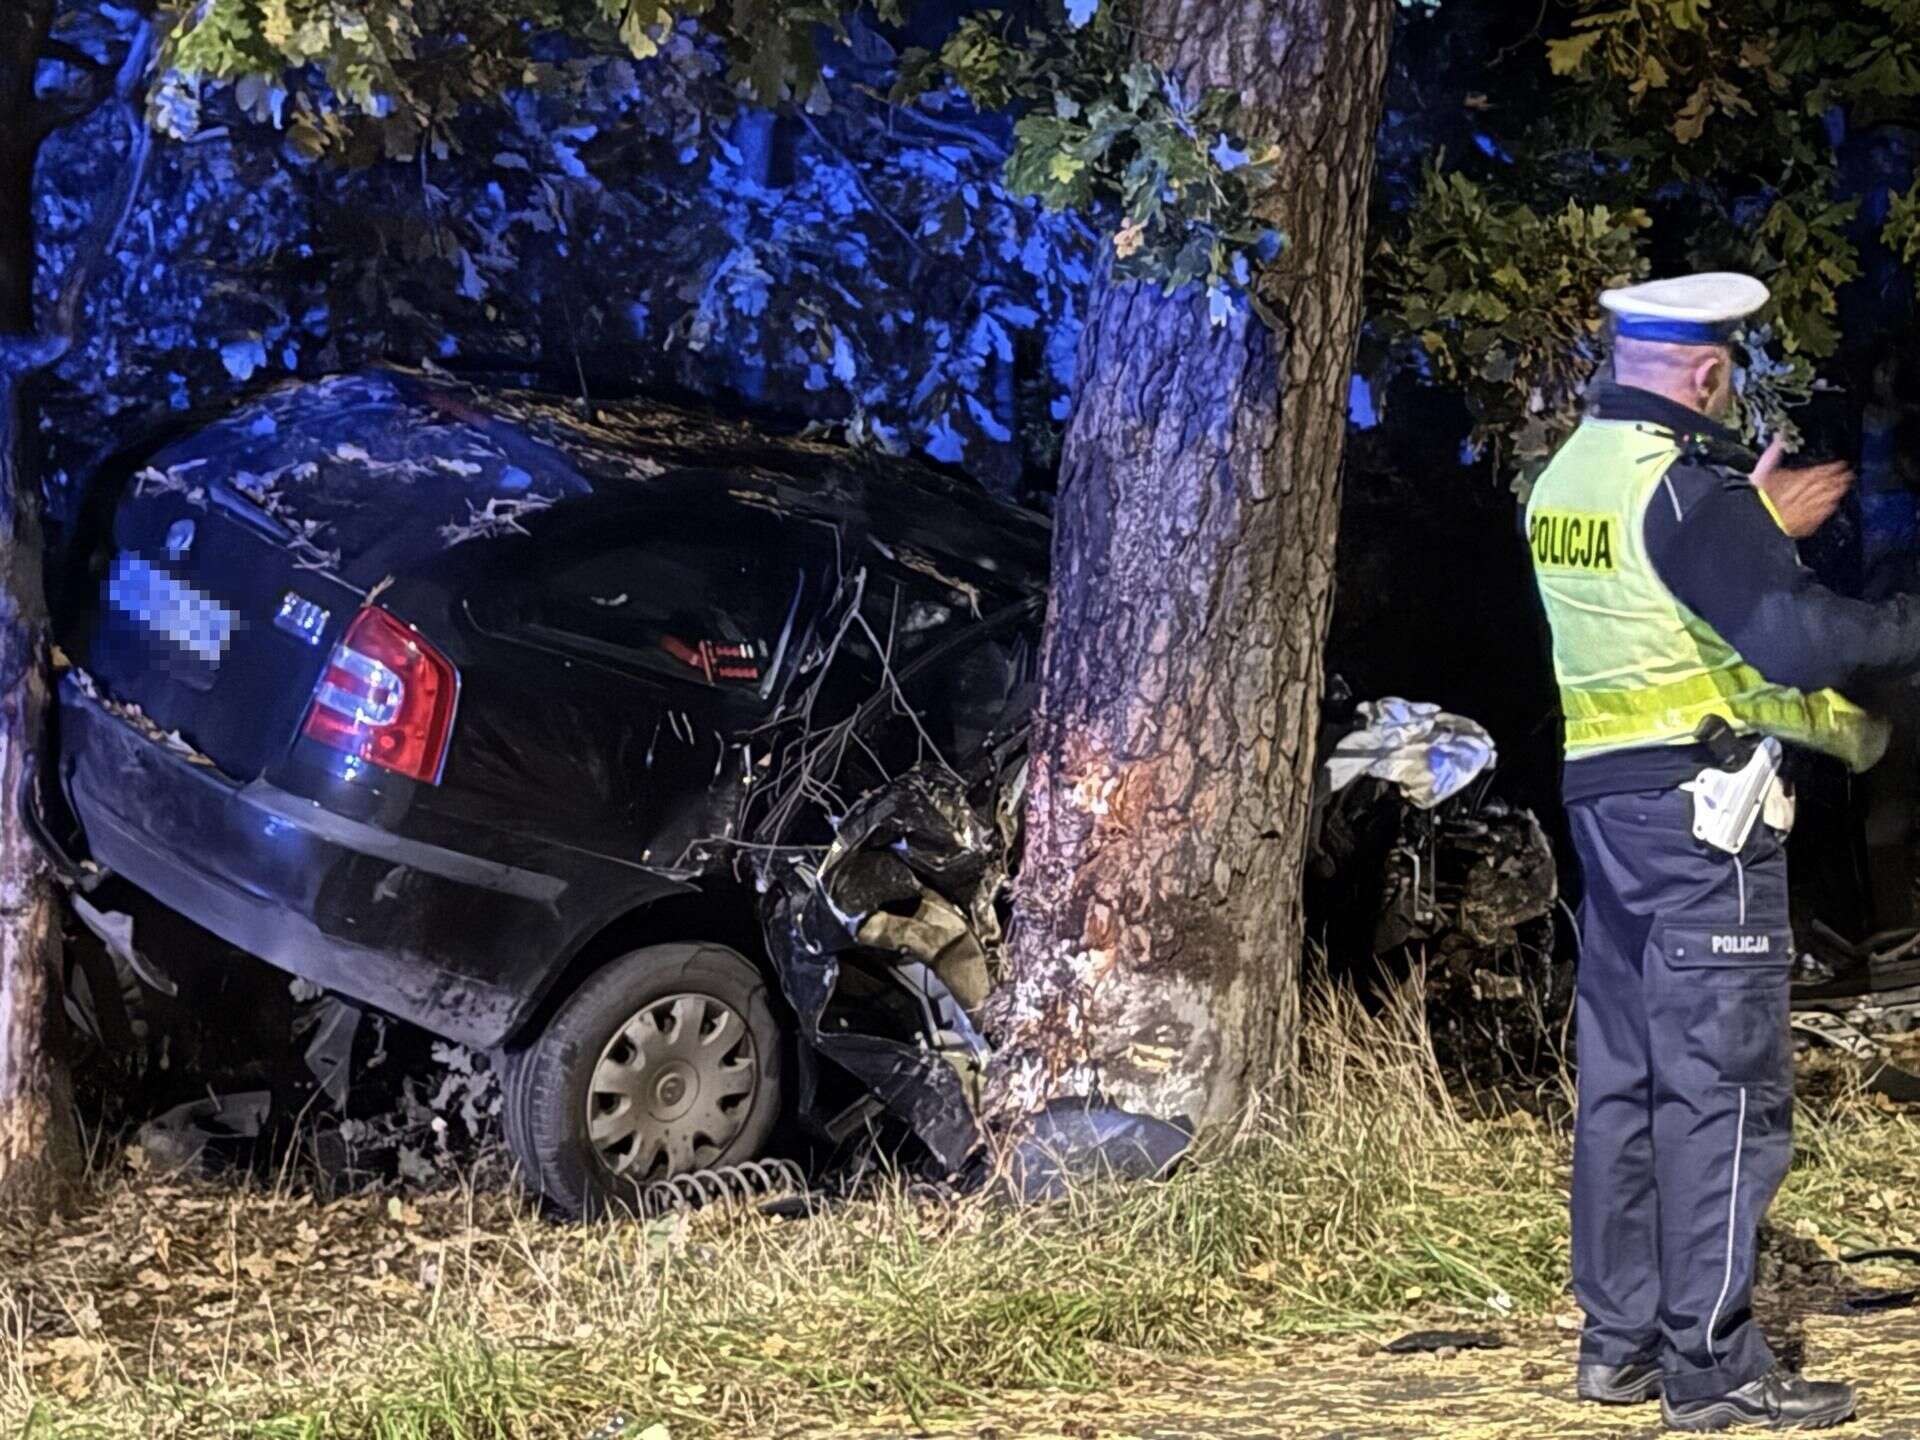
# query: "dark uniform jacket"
1717,547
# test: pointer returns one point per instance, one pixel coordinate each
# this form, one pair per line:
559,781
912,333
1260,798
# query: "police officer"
1684,631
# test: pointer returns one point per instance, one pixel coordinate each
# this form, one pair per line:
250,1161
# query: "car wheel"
665,1061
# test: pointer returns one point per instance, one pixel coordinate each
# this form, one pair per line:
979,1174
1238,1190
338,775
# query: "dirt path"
1328,1390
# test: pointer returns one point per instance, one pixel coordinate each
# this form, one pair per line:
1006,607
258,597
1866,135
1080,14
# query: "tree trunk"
22,31
1158,937
38,1143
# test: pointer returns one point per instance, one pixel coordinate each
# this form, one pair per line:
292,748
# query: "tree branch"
104,79
860,183
22,355
112,224
918,117
65,53
56,112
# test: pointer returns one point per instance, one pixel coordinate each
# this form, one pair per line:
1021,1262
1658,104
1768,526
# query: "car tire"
691,1018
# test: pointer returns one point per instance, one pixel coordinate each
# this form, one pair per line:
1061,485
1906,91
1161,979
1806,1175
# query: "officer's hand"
1804,498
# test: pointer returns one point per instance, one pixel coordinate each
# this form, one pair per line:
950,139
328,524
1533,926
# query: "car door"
646,644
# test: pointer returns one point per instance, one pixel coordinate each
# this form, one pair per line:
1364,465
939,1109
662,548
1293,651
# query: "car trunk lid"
242,553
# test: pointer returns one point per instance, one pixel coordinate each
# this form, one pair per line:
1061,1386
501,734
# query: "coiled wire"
735,1186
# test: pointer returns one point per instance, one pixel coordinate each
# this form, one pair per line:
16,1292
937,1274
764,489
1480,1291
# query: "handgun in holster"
1744,780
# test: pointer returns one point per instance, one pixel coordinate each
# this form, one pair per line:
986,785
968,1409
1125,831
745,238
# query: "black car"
508,715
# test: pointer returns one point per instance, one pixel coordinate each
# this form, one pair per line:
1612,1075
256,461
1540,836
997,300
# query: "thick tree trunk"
37,1139
1158,934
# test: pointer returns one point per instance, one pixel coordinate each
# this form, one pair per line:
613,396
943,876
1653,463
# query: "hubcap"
672,1088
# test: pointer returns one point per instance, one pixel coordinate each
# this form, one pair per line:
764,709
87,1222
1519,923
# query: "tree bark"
22,31
1157,944
38,1141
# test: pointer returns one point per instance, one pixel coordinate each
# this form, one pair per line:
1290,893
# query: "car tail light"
386,697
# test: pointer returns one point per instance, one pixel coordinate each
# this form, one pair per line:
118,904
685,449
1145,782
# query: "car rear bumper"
419,931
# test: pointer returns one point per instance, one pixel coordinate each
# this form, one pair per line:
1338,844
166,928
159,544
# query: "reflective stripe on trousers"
1685,1104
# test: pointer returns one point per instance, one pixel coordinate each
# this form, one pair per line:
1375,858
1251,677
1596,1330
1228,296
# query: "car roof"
625,448
386,466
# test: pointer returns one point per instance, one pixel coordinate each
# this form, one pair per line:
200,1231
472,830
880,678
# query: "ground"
1327,1390
1248,1297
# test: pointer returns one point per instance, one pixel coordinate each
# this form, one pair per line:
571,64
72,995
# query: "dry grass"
195,1310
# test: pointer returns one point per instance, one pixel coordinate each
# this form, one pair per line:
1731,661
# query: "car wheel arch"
715,909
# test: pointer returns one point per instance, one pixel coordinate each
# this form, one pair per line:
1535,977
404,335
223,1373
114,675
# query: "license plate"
167,606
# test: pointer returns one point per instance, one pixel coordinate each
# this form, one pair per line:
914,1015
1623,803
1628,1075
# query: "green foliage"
1095,131
1731,100
886,282
410,62
1806,255
1716,117
1499,298
1176,174
1768,388
1901,233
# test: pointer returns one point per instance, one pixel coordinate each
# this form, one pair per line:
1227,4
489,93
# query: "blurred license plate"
170,607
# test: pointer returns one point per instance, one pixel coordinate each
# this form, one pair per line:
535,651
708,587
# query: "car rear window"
689,608
716,606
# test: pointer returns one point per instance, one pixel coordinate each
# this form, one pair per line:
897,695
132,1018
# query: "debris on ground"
1866,1257
355,1098
174,1142
1414,861
1873,1302
115,930
1869,1302
1899,1085
1072,1142
1437,1342
1862,1002
427,1121
332,1023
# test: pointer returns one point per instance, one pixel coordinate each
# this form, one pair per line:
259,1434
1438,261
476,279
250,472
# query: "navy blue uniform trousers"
1685,1117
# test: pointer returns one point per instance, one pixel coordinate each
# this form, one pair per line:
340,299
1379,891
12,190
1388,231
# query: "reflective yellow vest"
1635,666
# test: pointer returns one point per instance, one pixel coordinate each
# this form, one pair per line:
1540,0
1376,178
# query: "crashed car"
669,761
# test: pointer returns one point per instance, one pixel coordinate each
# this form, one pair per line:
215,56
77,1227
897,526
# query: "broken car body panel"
873,984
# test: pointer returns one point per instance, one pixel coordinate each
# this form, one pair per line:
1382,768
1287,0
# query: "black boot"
1633,1384
1776,1401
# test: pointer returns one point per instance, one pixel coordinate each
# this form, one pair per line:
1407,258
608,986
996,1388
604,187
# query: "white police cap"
1688,310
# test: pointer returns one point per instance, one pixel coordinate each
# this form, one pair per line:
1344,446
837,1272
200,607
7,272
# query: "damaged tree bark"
1158,932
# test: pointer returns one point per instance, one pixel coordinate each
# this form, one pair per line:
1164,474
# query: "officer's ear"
1712,379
